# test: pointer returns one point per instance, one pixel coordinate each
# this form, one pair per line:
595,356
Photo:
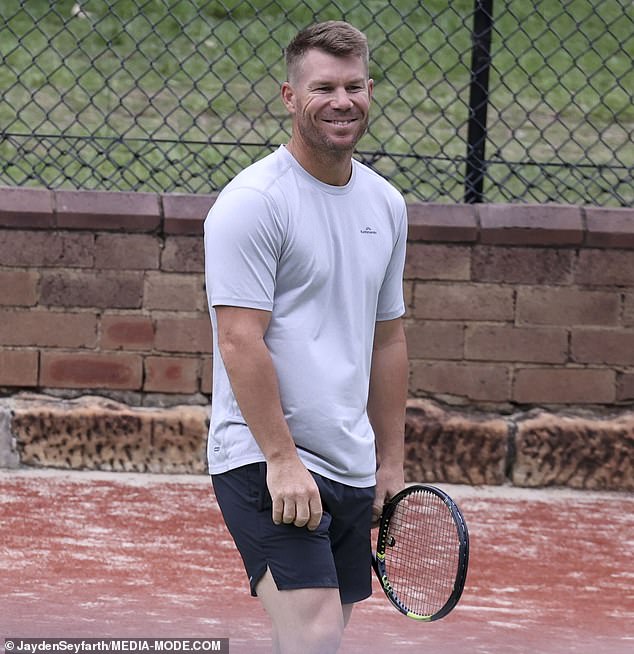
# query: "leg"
347,612
310,612
306,620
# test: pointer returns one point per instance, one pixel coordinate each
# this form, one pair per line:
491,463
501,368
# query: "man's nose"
341,99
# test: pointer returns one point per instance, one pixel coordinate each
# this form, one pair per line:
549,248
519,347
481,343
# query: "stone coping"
536,448
183,214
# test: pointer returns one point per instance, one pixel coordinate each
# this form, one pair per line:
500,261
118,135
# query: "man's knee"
317,636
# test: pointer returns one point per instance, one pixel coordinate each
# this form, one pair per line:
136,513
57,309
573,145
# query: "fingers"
289,515
380,497
278,510
377,510
299,512
389,481
295,495
316,513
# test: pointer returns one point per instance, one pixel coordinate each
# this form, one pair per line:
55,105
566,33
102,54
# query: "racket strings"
422,553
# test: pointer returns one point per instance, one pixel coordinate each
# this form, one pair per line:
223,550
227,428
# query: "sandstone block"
97,434
453,447
579,452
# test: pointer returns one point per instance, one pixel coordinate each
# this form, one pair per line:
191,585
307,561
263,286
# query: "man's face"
329,99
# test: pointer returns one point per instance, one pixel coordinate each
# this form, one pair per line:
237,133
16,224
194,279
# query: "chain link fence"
518,101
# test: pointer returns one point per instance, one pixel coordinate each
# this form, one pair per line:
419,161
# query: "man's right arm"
254,383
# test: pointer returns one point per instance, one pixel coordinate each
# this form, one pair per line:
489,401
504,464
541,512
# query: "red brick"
185,214
206,376
625,387
91,371
530,224
183,254
434,339
485,383
463,302
47,328
609,346
605,268
442,222
567,306
518,265
120,332
507,343
171,375
18,288
127,251
174,292
564,386
628,310
91,210
610,227
408,295
18,367
50,249
437,262
105,289
26,207
184,334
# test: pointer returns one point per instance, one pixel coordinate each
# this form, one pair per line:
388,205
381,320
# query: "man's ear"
288,97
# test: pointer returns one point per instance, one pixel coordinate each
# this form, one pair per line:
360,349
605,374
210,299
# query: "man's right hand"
294,493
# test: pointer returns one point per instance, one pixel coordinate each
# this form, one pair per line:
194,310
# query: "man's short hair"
334,37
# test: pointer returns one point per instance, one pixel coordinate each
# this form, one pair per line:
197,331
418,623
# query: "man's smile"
339,122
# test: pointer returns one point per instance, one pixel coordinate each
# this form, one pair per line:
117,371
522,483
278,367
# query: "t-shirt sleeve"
242,243
391,303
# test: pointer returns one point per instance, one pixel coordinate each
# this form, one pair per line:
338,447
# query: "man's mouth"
340,123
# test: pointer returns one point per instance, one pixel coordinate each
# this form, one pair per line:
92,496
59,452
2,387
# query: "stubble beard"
329,148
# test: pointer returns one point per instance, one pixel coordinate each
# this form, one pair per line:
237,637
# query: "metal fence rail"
525,100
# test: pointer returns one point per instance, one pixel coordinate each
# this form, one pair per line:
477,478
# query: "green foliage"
179,94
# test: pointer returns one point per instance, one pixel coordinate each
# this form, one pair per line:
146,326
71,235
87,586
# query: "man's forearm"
388,397
386,410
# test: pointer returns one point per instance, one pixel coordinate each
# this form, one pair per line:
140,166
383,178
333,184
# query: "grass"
177,95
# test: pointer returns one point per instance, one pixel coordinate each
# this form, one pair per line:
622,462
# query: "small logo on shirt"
368,230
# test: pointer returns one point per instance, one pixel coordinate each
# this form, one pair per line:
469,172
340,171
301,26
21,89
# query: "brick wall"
507,304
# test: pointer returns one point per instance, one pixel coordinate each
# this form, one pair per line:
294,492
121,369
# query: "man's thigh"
304,620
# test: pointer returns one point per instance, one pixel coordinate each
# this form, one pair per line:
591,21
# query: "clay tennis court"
85,554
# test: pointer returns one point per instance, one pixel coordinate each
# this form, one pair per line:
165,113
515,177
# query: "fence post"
478,100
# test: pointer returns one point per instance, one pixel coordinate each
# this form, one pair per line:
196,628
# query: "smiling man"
304,257
329,99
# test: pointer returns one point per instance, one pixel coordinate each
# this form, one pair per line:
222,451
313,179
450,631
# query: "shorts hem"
254,580
357,598
300,586
289,585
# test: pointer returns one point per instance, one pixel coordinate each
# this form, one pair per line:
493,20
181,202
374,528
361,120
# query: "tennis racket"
422,552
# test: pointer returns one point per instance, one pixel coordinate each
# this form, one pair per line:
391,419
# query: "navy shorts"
335,555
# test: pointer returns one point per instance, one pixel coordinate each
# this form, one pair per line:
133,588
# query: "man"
304,261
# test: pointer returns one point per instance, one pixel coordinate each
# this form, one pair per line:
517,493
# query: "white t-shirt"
327,262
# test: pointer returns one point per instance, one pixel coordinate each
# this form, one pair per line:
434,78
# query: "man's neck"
335,170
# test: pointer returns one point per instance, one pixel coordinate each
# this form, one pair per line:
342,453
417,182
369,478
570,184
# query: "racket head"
422,552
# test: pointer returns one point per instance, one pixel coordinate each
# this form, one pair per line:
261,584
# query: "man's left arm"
386,408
